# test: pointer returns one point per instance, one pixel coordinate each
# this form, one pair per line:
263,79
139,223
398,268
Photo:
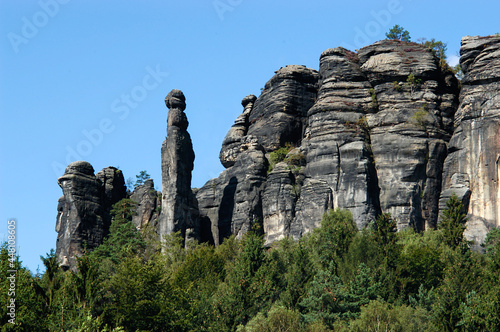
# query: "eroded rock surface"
232,203
177,164
372,128
83,218
148,205
472,167
374,131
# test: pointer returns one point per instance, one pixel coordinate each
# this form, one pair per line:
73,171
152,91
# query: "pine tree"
452,222
123,236
399,33
141,178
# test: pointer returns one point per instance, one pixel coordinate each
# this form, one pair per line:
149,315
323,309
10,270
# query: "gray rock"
338,138
80,213
315,199
278,202
279,114
114,189
231,146
148,205
410,128
472,166
177,165
232,203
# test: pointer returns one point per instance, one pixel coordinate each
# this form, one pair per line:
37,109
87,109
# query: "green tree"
235,301
463,274
385,232
277,319
452,222
123,236
141,297
328,299
380,316
419,266
50,277
22,286
439,49
331,241
399,33
300,269
141,178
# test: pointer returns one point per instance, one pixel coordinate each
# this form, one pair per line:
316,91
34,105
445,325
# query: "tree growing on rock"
141,178
397,32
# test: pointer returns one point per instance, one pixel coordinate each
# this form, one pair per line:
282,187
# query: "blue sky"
87,80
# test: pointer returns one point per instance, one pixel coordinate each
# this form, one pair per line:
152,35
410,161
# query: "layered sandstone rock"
83,217
148,205
472,167
177,164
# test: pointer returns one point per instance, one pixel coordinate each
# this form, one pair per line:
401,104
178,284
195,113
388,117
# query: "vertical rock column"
83,212
472,167
177,160
80,213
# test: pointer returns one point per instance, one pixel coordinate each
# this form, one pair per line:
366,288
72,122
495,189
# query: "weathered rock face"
114,189
148,205
177,165
231,145
410,128
372,128
83,210
279,114
374,131
472,167
232,203
277,117
340,171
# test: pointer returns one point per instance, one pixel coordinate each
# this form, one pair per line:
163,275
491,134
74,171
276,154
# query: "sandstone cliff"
83,212
372,128
472,167
386,129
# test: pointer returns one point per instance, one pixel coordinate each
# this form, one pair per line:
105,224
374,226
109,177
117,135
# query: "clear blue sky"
87,79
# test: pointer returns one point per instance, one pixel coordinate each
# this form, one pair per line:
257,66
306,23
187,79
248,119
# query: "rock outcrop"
472,167
409,130
232,203
83,217
372,129
148,205
386,129
177,164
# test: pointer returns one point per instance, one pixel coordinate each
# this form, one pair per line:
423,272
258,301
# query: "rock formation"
83,217
371,127
177,164
385,129
472,167
409,130
148,205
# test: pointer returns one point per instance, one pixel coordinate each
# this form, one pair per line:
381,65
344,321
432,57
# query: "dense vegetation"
337,278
